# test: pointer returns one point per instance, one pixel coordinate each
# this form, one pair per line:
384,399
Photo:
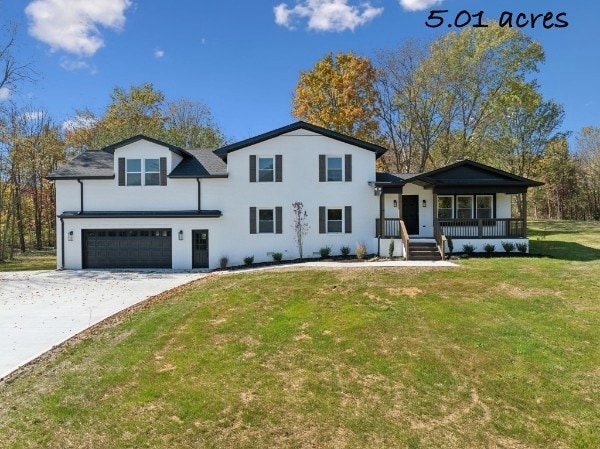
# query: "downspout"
199,191
81,195
62,243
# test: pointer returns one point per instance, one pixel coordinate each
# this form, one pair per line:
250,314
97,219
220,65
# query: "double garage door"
127,248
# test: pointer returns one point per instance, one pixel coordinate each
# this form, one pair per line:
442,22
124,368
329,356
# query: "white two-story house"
143,203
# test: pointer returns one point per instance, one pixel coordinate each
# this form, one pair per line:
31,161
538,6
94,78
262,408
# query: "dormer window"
147,170
151,172
134,172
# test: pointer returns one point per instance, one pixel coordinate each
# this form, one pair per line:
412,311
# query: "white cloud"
326,15
158,54
4,93
73,64
418,5
78,122
72,25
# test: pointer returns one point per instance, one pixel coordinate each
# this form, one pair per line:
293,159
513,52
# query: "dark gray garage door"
127,248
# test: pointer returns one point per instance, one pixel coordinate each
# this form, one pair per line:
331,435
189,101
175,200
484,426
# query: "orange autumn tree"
339,93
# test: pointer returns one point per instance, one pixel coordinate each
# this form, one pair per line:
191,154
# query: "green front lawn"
499,353
31,260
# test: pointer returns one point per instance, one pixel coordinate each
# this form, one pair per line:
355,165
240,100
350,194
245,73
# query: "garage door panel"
127,248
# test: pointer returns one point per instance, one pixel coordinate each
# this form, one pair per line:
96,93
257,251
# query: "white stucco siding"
181,249
503,205
425,213
300,182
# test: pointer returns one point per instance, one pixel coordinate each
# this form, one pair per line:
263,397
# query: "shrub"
489,249
391,249
249,260
325,251
361,250
277,257
345,251
508,247
522,247
223,262
468,249
450,244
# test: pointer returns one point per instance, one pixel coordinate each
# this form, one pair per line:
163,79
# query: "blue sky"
242,58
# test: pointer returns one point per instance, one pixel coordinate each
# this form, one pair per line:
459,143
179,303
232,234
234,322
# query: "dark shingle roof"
394,178
89,164
203,164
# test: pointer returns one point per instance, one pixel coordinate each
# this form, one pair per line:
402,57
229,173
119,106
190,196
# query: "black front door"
410,213
200,248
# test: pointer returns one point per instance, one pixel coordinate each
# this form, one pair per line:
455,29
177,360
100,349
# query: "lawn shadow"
564,250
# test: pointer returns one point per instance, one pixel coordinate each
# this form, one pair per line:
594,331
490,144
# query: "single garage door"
127,248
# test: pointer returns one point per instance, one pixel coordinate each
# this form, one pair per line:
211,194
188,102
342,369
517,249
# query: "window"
464,206
265,169
445,206
334,169
334,220
151,172
484,206
134,172
265,221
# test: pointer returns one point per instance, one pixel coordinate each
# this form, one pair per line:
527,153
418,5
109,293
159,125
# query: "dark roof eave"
143,214
74,177
198,176
175,149
222,152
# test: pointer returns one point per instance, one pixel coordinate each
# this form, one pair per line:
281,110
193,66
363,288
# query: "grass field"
498,353
31,260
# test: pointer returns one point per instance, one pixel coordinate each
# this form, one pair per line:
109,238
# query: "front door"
200,248
410,213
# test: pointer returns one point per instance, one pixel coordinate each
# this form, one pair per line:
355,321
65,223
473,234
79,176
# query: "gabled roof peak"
224,151
175,149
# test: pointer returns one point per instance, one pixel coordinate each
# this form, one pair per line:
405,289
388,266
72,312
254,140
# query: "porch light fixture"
395,203
70,236
377,191
180,234
424,203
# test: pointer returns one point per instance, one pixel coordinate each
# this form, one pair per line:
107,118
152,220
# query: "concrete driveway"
40,309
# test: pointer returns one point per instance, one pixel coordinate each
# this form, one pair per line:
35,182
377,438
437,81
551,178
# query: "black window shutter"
278,168
348,160
253,220
348,220
163,171
322,221
121,174
278,224
252,168
322,169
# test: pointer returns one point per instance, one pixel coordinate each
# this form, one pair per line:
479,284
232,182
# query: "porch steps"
423,250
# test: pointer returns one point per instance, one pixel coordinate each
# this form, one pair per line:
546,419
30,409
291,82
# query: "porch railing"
391,228
481,228
440,238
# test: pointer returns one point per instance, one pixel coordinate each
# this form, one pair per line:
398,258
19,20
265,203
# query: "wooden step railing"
440,238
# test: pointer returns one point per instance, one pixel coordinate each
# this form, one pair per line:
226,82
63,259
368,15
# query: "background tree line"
470,94
465,95
32,145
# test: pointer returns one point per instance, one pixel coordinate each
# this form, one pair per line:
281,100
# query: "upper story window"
266,169
134,172
334,168
152,172
445,206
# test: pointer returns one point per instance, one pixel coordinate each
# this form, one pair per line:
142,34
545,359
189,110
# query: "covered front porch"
466,201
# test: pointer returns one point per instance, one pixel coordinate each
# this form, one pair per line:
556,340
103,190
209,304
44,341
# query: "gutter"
81,195
62,243
199,198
